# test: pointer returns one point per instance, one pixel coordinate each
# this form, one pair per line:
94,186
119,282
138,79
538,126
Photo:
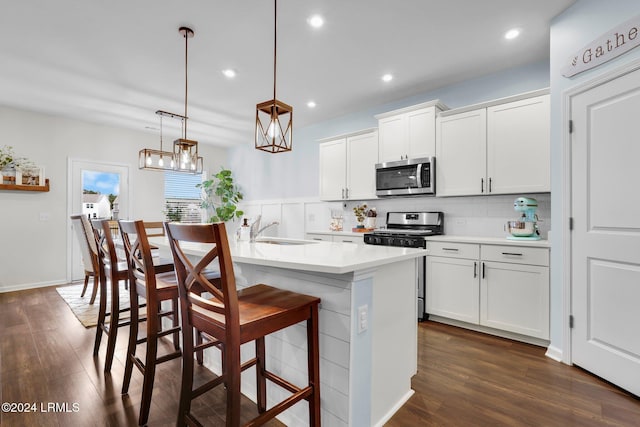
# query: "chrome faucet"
255,230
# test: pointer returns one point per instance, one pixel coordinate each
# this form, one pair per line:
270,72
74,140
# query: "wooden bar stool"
113,270
145,283
236,317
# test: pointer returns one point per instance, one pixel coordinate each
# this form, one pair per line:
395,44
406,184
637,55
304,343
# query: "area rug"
87,313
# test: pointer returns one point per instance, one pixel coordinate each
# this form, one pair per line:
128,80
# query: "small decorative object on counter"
336,220
370,220
360,212
244,231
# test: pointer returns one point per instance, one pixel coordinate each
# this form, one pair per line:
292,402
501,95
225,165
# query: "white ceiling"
117,62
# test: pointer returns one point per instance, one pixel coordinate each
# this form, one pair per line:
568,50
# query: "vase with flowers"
7,165
360,212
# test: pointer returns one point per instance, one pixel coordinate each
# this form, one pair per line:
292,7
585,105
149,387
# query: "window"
182,197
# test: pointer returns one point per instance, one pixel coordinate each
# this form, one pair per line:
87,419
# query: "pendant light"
274,119
184,157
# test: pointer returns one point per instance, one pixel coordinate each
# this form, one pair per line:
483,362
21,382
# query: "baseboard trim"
386,417
554,353
25,286
486,330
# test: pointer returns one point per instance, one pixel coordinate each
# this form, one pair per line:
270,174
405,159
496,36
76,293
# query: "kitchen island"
368,329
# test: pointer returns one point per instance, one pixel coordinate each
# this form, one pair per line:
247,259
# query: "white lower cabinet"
335,238
452,281
495,286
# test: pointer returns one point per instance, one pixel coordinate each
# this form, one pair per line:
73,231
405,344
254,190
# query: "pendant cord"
275,44
186,51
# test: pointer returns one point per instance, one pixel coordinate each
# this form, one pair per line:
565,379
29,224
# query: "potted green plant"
221,196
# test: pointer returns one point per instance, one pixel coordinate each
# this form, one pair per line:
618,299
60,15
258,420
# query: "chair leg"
86,282
187,374
133,337
149,366
102,313
176,323
94,292
199,353
232,381
114,320
313,366
261,381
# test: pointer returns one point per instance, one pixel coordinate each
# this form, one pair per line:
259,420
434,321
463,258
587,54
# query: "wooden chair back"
191,274
154,228
139,259
107,250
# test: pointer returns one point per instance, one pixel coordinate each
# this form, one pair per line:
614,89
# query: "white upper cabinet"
518,136
408,133
501,147
461,153
333,169
347,166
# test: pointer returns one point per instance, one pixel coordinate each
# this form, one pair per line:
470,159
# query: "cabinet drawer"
516,254
321,237
454,250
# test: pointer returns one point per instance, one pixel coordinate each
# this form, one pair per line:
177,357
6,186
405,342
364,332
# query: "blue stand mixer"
526,228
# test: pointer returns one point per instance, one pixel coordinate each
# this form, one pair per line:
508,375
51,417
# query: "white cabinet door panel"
362,156
333,166
515,297
461,142
393,137
421,128
518,146
452,288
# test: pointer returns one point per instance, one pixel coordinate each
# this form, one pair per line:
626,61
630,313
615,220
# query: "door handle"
489,185
482,185
511,254
347,193
450,249
475,269
483,270
343,193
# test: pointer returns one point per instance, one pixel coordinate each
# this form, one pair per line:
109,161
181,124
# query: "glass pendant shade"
274,126
185,153
155,160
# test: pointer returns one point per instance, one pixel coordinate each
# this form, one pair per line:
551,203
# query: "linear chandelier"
184,157
274,119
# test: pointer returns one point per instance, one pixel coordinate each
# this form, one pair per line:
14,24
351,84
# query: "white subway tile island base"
368,329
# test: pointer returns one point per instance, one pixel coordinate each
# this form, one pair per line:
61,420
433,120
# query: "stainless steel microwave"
410,177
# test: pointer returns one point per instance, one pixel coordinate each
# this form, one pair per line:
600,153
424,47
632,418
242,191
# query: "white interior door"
77,169
605,240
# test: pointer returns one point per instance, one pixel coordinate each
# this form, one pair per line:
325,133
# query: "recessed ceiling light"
311,104
387,78
316,21
230,73
512,34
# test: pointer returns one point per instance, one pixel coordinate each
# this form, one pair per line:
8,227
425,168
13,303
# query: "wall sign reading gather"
610,45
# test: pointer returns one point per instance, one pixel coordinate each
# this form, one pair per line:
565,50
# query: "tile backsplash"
464,216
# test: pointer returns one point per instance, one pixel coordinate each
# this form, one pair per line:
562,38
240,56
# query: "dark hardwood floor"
464,379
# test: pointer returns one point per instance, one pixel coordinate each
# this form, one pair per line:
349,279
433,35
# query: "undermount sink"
285,242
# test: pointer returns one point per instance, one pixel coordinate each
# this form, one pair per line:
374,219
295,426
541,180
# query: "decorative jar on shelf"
8,175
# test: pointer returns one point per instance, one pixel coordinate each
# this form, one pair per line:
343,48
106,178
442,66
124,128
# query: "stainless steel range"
410,230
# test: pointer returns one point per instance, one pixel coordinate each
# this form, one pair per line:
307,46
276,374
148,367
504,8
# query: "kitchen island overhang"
368,328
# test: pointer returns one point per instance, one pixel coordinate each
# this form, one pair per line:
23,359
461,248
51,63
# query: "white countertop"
339,233
324,257
490,241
